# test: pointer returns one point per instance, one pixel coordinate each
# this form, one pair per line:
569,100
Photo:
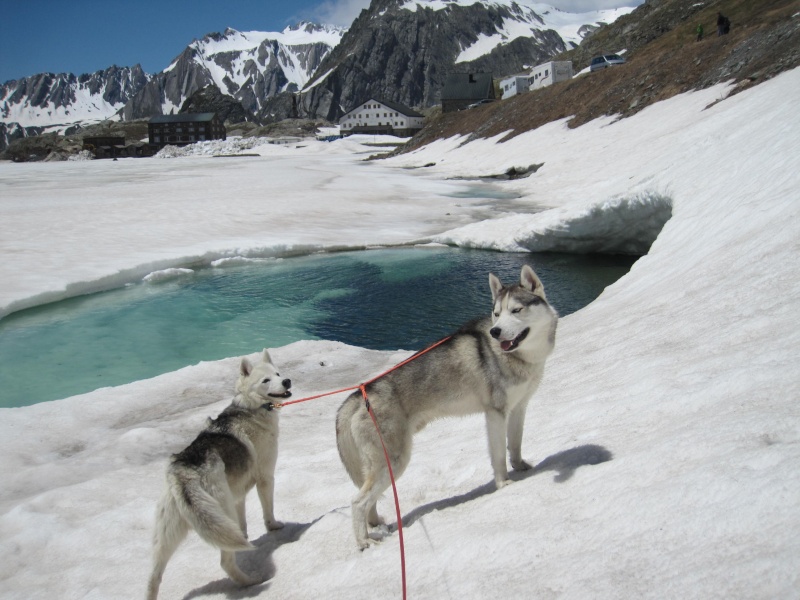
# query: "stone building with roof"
461,90
184,129
381,117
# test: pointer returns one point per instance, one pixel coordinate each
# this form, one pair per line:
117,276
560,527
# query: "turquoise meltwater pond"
386,299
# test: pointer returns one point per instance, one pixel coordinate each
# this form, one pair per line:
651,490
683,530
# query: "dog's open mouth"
286,394
510,345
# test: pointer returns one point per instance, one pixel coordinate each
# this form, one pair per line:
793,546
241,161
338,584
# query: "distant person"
723,24
699,31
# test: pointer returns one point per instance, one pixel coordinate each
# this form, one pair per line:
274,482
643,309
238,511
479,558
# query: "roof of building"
396,106
184,118
517,76
468,86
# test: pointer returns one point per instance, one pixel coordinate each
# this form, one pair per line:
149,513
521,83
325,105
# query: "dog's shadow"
258,563
563,463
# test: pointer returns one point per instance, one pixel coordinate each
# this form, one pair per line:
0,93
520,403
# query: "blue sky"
83,36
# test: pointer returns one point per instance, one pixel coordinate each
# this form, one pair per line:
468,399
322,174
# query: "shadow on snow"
257,563
563,463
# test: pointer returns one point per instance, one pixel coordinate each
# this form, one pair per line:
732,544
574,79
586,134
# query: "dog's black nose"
495,332
287,383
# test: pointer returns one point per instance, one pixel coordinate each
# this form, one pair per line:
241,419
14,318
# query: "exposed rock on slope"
403,55
663,59
210,99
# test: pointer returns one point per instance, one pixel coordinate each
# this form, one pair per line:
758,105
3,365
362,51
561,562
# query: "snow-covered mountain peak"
50,99
302,34
250,66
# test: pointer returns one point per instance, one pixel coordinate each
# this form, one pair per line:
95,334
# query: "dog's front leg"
266,491
516,423
496,430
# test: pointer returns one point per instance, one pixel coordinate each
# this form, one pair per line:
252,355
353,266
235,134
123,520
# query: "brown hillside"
663,59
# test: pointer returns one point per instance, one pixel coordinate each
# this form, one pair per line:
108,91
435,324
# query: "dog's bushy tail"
207,504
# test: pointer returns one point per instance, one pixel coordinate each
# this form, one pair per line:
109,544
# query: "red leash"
271,405
394,490
363,388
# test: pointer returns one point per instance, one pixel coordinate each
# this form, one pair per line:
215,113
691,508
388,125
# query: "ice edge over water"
619,225
169,269
623,224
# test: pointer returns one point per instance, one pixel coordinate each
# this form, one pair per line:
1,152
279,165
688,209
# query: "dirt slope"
663,56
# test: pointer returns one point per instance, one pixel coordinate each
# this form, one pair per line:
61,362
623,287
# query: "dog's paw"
367,542
246,580
274,525
501,483
379,521
521,465
374,537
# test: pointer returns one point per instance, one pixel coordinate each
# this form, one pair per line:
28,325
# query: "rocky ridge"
59,102
251,67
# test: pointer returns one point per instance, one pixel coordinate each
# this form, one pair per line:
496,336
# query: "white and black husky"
491,365
208,481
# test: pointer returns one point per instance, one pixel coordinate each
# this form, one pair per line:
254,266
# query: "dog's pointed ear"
530,281
246,367
266,357
495,285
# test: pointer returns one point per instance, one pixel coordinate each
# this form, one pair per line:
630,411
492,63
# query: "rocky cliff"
401,51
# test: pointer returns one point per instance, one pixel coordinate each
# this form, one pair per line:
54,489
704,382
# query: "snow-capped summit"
251,66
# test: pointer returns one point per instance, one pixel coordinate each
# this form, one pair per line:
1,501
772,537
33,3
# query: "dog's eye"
266,380
497,314
516,310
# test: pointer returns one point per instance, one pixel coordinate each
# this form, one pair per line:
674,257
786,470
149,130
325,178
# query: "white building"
549,73
381,117
516,84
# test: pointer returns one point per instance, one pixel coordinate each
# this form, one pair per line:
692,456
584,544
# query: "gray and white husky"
208,481
491,365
